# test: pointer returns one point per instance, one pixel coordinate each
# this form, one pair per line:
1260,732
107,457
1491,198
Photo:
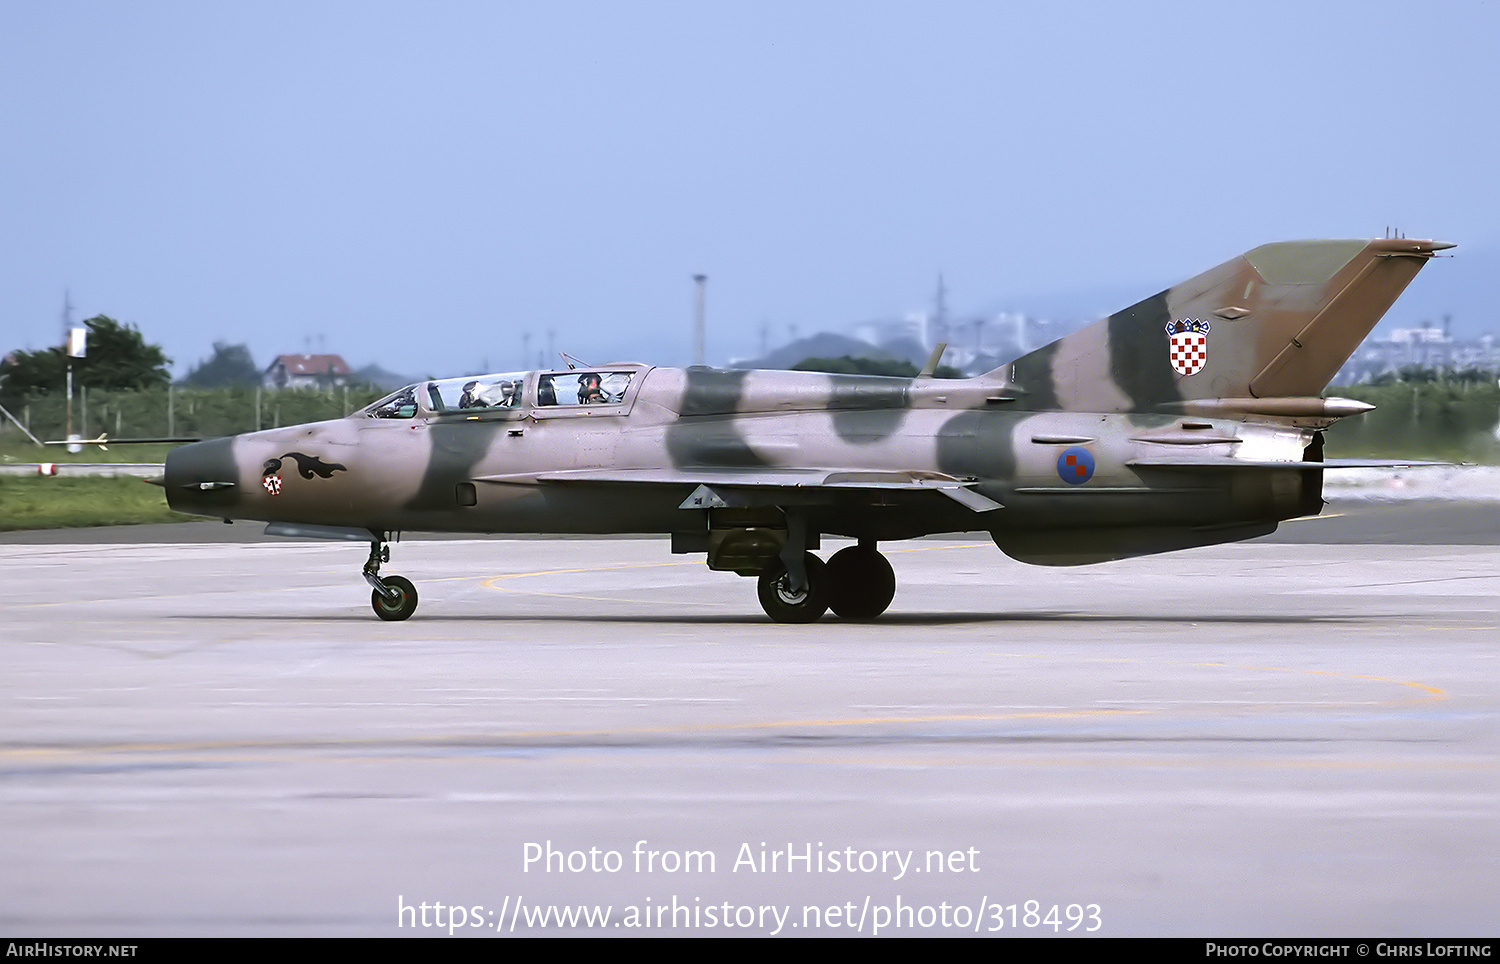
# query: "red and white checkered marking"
1189,352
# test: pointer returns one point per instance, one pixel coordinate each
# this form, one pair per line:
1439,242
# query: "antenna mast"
699,325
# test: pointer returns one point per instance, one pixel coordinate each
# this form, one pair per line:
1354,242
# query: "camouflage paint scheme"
1092,448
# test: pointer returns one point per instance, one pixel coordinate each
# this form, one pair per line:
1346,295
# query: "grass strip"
58,502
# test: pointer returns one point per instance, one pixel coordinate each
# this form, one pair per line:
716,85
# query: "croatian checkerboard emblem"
1076,465
1189,345
272,484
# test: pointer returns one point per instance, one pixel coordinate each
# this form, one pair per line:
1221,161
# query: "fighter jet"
1191,418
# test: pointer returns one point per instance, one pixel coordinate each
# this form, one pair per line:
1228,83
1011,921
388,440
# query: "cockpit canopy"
495,393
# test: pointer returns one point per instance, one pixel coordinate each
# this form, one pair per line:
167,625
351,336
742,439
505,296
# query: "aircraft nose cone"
201,478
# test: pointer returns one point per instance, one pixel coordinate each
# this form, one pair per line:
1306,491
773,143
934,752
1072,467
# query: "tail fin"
1275,322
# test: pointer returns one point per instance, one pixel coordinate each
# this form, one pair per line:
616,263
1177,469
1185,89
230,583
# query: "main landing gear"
857,583
393,598
861,583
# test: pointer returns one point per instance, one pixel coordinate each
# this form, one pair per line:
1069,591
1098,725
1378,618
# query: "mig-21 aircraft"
1189,419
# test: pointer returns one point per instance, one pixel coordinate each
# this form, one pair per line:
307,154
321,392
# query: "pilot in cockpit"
501,394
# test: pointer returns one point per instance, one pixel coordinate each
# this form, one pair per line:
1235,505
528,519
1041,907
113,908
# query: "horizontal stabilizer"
1317,411
1380,464
1226,462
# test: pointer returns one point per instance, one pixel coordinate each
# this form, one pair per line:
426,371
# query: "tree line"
1446,418
118,358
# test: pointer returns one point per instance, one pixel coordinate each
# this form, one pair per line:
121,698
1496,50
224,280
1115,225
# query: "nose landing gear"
393,598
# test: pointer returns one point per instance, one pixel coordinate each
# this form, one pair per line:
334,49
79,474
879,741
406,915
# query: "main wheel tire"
861,583
395,610
785,606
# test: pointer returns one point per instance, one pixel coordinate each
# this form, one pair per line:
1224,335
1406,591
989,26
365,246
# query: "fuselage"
624,462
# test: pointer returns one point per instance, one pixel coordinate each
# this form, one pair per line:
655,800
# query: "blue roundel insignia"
1076,465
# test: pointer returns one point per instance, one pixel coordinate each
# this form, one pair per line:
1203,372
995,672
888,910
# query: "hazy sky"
421,184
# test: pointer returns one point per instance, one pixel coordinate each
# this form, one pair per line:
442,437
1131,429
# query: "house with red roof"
306,371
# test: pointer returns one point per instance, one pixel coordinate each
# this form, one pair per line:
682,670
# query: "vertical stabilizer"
1277,321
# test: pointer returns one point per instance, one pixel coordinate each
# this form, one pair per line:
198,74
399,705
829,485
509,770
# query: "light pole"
698,321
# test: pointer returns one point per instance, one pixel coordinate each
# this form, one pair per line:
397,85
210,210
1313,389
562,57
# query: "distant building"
1427,347
306,371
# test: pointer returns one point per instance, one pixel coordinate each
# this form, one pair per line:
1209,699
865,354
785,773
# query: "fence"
1447,420
183,412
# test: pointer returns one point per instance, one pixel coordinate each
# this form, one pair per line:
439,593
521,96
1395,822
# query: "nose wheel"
393,598
401,602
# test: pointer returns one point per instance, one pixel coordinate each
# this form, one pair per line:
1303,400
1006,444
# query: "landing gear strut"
394,598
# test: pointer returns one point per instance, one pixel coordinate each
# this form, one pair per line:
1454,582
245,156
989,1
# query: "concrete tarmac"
1268,739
